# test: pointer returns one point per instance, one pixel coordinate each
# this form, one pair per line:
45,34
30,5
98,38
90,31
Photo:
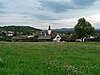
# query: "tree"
83,28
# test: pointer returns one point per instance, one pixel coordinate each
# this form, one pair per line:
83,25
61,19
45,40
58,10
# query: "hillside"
24,29
64,30
49,58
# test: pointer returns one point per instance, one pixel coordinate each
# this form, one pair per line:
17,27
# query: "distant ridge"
97,28
70,29
64,29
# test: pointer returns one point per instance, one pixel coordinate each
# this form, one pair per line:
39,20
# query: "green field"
49,58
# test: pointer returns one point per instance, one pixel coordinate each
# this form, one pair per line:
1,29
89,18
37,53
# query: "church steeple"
49,30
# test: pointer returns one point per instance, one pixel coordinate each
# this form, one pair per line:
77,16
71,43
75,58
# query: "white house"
10,33
92,37
30,36
80,40
57,38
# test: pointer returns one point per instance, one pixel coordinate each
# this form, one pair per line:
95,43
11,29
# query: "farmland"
49,58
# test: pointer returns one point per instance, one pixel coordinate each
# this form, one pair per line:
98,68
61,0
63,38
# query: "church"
49,30
44,37
47,37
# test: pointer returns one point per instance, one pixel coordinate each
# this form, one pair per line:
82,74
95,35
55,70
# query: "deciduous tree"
83,28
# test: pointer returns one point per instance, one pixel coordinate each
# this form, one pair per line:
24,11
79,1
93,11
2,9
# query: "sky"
42,13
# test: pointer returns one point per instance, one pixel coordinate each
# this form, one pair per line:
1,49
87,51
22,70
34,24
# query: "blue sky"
42,13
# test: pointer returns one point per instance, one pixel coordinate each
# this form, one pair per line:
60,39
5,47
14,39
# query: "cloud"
1,11
83,3
1,5
41,13
54,6
44,17
62,6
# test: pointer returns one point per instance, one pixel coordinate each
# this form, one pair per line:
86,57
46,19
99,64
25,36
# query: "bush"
2,38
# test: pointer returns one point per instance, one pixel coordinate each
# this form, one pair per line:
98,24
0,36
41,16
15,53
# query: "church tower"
49,30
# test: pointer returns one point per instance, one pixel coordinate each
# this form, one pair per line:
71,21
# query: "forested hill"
24,29
19,28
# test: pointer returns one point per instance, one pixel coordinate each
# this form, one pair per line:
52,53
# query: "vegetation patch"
50,58
1,62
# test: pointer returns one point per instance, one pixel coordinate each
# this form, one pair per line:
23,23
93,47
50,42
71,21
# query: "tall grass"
50,58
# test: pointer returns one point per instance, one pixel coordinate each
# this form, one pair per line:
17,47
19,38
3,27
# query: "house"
80,40
43,38
10,33
7,33
93,39
57,38
31,35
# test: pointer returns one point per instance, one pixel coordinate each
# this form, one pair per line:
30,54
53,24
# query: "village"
39,36
47,36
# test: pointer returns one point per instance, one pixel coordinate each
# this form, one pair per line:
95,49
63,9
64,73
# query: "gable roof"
44,37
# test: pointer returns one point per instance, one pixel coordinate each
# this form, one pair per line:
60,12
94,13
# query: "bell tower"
49,30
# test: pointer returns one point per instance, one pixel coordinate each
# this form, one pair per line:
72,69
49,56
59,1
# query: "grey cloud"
2,4
83,3
2,8
55,6
1,11
44,17
58,7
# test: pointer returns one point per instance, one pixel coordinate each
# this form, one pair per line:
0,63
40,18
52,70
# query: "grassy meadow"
49,58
